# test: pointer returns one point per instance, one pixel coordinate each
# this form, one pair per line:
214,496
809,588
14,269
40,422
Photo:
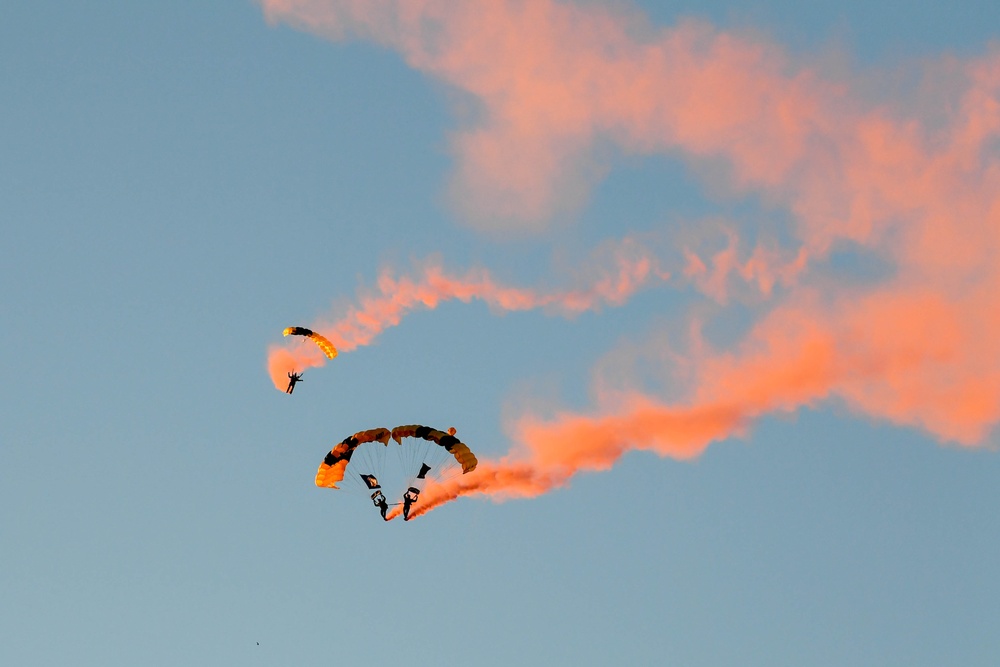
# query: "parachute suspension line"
405,465
366,459
358,457
421,454
400,454
374,461
450,467
413,454
426,456
406,451
360,462
417,454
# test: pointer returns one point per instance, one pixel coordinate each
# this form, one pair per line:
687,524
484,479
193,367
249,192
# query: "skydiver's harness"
378,499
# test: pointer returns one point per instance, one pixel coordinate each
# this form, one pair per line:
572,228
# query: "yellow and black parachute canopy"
328,349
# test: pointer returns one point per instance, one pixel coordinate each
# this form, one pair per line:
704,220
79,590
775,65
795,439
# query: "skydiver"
381,503
409,498
292,379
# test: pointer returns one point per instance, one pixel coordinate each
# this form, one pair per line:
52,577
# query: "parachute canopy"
424,453
328,349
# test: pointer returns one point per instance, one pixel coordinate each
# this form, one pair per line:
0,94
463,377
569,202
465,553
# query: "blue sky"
180,182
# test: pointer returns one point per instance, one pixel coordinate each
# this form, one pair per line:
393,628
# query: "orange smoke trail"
765,267
557,452
497,480
798,356
395,297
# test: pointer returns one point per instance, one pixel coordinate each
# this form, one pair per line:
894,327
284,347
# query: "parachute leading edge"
326,346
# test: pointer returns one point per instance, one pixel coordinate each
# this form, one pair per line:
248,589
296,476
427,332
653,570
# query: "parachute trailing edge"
326,346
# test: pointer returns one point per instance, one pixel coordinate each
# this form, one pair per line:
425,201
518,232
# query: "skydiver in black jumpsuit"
409,498
380,502
292,379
